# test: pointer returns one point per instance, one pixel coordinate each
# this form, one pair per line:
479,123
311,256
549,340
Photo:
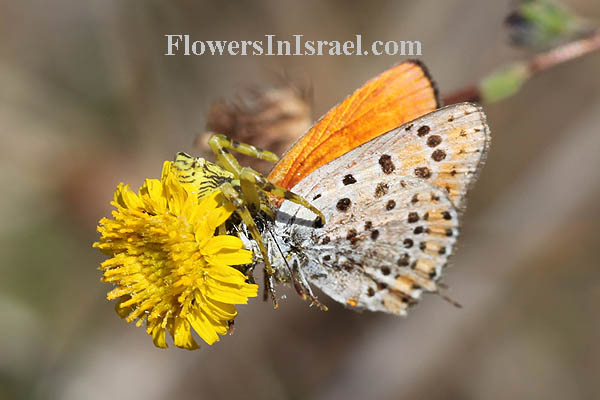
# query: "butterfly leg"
232,195
302,287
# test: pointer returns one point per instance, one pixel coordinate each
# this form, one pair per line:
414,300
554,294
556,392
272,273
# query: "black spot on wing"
423,172
387,166
348,180
423,130
381,189
343,204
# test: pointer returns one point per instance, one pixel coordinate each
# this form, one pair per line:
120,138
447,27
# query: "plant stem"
535,65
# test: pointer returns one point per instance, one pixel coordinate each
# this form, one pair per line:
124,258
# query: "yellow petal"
125,198
239,257
182,337
219,209
203,232
166,170
203,327
159,337
228,293
227,274
220,311
222,242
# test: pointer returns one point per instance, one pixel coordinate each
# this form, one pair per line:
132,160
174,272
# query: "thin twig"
537,64
565,53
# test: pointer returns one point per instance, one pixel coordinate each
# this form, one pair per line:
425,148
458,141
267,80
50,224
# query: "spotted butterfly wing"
392,207
377,252
445,148
398,95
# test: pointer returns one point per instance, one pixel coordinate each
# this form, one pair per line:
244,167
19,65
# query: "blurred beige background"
88,100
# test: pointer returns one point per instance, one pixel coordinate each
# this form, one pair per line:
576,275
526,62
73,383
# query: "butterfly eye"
317,223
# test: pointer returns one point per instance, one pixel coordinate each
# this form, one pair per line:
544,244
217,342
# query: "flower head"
168,266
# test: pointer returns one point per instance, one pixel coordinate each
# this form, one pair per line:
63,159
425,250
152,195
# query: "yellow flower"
168,267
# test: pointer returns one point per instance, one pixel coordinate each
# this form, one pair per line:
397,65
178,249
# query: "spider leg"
267,210
232,195
219,145
218,142
249,175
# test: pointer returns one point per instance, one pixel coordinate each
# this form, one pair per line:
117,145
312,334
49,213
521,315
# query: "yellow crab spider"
243,187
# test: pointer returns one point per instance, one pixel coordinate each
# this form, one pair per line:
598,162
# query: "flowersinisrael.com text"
297,46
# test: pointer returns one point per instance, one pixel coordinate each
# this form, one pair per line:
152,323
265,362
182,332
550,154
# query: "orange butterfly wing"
398,95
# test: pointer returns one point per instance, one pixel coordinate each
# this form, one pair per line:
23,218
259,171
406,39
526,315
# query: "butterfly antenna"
444,287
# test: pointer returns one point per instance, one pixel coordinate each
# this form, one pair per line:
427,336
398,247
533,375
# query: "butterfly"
392,202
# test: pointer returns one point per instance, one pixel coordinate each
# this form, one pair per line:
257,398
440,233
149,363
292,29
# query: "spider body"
246,189
206,176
